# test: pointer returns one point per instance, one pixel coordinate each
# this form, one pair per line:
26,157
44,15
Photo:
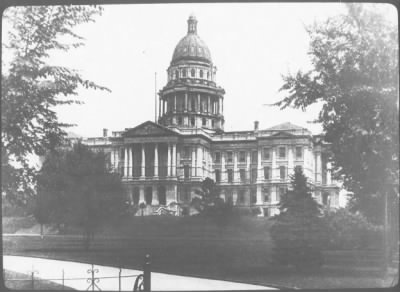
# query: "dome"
191,47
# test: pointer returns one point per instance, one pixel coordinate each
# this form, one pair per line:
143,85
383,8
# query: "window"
242,156
253,175
299,152
193,104
184,73
230,157
217,176
192,122
253,196
193,72
254,157
212,123
282,172
208,75
241,197
267,172
201,73
266,195
281,192
242,175
267,154
299,167
186,171
325,198
176,75
217,158
179,120
230,175
186,152
204,122
282,152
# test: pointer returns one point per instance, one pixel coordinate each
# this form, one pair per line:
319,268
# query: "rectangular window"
299,152
253,175
242,175
186,171
241,197
230,175
217,176
242,156
254,157
267,172
253,196
267,155
186,152
282,172
217,158
266,195
282,152
281,192
230,157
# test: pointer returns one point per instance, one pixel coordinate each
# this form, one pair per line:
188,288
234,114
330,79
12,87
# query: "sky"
252,45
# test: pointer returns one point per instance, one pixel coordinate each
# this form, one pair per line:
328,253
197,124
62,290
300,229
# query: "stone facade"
161,164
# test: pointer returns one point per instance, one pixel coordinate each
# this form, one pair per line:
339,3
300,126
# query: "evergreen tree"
298,231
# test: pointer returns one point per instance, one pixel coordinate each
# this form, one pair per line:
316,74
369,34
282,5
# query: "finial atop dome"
192,24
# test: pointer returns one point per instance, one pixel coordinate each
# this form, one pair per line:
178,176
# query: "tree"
32,88
355,76
210,204
298,231
75,188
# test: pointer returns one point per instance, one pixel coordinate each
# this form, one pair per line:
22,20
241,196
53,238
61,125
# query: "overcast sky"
252,45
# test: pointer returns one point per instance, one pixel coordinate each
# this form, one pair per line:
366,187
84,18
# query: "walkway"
52,269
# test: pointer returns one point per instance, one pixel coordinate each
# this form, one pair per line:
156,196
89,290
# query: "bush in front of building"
299,231
349,230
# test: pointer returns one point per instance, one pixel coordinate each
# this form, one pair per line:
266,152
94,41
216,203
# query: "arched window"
201,73
193,72
184,73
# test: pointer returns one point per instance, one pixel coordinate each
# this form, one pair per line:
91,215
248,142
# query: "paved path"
52,269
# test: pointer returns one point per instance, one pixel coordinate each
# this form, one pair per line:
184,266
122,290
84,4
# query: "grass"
194,247
19,281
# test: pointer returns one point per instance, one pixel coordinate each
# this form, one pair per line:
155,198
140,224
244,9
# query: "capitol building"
163,163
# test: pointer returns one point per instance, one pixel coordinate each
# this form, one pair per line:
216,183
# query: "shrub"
348,230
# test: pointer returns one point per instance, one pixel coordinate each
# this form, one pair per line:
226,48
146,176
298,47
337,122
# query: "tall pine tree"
298,231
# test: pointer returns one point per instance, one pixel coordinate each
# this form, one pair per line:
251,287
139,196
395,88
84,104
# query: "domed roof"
191,47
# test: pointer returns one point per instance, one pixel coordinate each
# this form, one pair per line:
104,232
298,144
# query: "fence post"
147,274
32,281
119,279
63,279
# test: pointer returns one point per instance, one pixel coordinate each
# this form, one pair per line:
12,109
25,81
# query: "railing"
142,281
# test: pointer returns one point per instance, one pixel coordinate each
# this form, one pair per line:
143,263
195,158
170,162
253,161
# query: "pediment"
148,129
282,134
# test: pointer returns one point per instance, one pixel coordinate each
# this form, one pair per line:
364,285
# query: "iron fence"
142,281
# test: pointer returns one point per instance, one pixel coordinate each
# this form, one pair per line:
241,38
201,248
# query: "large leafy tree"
355,76
32,88
75,188
299,231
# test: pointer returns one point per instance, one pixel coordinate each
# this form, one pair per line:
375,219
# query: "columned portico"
156,160
142,174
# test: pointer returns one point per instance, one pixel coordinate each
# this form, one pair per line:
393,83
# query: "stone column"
248,169
234,196
156,160
328,173
186,102
112,159
290,161
209,105
235,168
130,164
222,107
318,167
126,162
200,161
143,173
117,159
159,107
274,170
154,200
169,160
210,165
260,174
173,159
194,172
223,167
141,195
175,103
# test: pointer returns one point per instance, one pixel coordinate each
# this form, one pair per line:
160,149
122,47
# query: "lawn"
191,246
18,281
